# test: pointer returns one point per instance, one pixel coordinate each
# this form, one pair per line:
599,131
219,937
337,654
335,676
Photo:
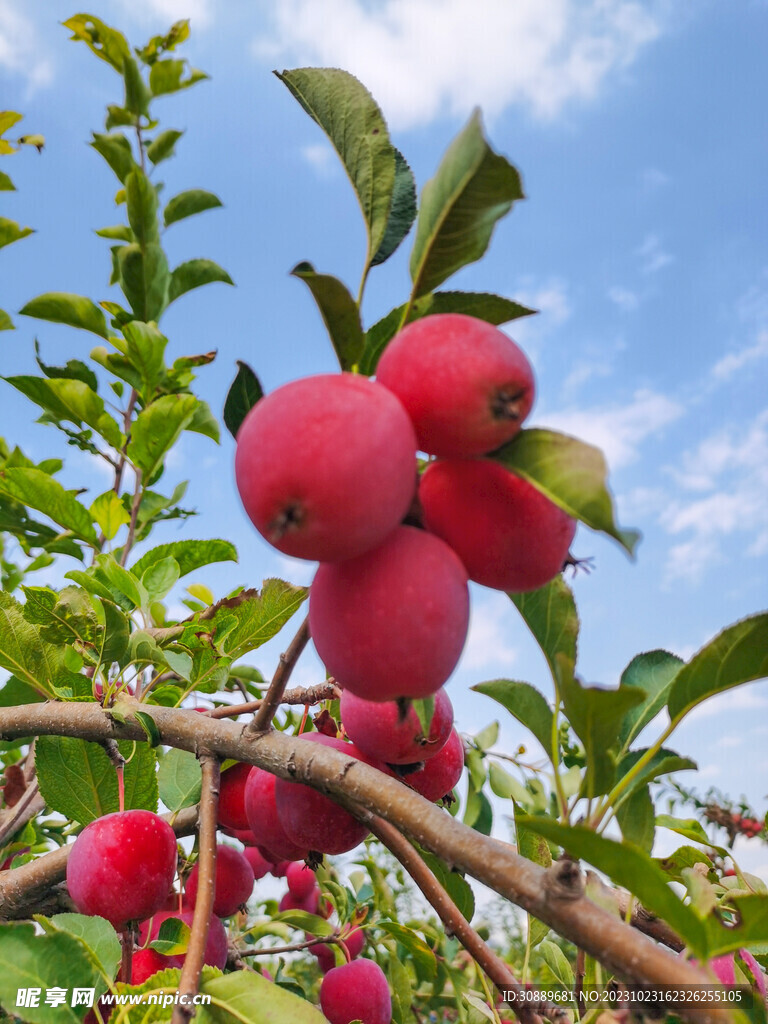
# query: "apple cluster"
326,467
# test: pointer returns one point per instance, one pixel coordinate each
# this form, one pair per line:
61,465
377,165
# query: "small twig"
126,962
16,817
295,947
274,695
206,886
455,922
138,492
298,695
647,922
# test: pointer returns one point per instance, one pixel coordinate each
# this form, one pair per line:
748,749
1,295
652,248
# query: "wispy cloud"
619,429
652,255
424,59
321,158
199,12
488,645
737,360
21,53
626,300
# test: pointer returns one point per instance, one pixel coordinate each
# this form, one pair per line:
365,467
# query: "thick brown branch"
552,895
206,888
647,922
454,921
306,695
274,695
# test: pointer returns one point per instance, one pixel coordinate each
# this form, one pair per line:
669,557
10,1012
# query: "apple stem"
120,787
304,718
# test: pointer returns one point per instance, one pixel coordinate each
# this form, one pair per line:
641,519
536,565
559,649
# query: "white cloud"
21,52
320,157
728,472
619,429
626,300
732,362
488,643
550,299
423,59
740,698
652,255
199,12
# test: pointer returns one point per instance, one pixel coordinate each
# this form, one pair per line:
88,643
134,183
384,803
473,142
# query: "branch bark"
554,895
274,695
299,695
206,888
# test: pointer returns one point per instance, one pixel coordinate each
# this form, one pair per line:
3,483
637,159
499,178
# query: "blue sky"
639,129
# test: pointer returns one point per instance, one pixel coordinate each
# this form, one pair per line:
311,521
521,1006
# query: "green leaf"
534,848
64,308
636,818
6,185
145,347
302,921
550,614
145,279
141,203
653,673
737,655
453,882
478,813
149,726
98,935
160,578
527,705
244,392
22,650
664,762
353,122
339,312
6,324
557,962
117,232
194,274
136,93
204,422
472,189
570,473
249,998
75,369
402,211
413,944
107,43
506,786
596,716
188,203
166,76
690,828
45,962
64,618
71,400
483,305
630,867
163,145
116,150
78,780
173,937
40,491
157,428
179,779
190,555
245,622
10,231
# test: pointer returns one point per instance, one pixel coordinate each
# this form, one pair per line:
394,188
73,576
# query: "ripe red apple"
122,866
506,532
301,880
259,864
264,820
465,384
392,622
313,820
326,466
233,883
356,991
441,772
378,729
354,940
231,811
145,963
216,946
243,835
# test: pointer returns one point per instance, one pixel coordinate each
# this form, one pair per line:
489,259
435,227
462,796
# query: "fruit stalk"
274,695
193,963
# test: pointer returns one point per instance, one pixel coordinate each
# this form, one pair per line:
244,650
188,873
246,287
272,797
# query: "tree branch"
554,895
274,695
206,888
299,695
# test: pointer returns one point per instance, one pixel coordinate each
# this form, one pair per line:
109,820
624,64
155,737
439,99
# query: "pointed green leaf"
166,76
71,400
737,655
473,188
179,779
570,473
117,232
204,422
244,392
402,212
163,145
38,490
188,203
107,43
156,430
339,312
550,614
22,650
353,122
654,673
116,150
141,203
527,705
663,762
145,347
6,324
6,185
145,279
136,93
74,369
194,274
189,555
63,308
10,231
160,578
636,818
249,998
95,933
